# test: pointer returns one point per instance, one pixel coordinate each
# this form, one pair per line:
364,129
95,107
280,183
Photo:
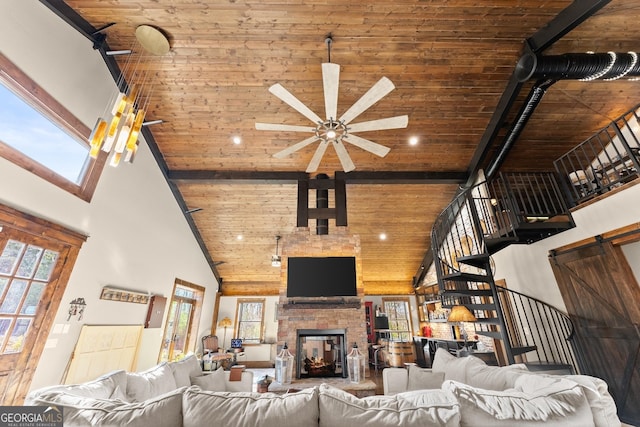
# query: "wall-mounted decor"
77,308
123,295
155,312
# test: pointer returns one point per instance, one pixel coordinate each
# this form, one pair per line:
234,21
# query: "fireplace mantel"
323,303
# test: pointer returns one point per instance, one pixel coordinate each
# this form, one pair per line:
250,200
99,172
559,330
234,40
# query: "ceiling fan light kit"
333,130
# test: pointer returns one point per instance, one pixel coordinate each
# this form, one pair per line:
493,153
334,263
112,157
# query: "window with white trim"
250,320
399,315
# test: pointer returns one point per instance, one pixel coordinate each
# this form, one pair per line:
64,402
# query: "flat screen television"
321,277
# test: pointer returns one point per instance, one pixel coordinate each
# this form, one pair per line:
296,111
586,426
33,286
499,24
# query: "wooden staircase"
477,224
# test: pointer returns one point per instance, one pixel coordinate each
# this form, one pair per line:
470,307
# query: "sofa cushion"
603,407
241,409
454,368
215,381
559,404
413,408
150,383
160,411
480,375
420,379
184,369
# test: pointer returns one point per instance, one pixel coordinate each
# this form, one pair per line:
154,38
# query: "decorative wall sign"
122,295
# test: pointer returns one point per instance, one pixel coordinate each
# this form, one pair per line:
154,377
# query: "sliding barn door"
603,300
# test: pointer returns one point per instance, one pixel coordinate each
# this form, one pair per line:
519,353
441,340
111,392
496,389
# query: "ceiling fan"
336,130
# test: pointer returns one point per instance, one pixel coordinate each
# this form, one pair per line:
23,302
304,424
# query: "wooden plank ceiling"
450,62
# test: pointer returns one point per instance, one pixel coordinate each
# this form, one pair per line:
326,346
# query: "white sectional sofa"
510,395
455,392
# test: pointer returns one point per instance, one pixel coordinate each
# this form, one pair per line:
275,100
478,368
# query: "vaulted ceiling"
452,64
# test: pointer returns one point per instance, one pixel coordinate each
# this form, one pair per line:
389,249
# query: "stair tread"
472,292
466,277
544,366
488,320
523,349
483,307
477,260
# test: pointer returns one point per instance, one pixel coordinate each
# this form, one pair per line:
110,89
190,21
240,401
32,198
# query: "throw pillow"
454,368
241,409
184,369
412,408
420,379
564,405
214,381
153,382
493,377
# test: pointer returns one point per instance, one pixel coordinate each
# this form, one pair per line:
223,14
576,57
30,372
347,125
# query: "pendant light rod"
329,41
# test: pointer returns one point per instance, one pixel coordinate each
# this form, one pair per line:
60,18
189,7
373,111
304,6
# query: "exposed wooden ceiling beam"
355,177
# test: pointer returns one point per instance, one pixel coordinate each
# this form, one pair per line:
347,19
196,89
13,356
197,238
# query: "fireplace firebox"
320,353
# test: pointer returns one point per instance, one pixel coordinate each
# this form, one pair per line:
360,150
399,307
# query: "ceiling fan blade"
295,147
345,159
317,157
331,81
373,95
365,144
286,128
381,124
287,97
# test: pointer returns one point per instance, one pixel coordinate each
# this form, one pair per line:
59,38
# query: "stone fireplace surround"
346,313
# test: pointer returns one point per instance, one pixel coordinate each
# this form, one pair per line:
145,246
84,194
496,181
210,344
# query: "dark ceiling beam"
262,177
565,21
569,18
354,177
396,177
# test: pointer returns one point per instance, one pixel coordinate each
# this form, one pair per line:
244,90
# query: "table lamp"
458,315
224,323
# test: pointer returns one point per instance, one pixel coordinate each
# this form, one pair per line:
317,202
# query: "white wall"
526,268
138,237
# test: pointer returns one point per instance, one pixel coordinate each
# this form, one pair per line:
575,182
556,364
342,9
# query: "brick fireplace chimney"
323,312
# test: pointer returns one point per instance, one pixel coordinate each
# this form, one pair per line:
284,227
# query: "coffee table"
362,389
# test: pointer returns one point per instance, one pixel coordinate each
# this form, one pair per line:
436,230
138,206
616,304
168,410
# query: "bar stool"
376,362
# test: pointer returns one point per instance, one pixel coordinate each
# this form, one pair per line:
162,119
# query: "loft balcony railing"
603,162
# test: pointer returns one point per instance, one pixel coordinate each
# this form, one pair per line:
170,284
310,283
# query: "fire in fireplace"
321,353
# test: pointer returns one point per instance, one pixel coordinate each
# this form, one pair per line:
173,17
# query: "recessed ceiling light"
383,236
413,140
239,237
237,140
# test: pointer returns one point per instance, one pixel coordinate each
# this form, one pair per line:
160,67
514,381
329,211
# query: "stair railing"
532,323
524,324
